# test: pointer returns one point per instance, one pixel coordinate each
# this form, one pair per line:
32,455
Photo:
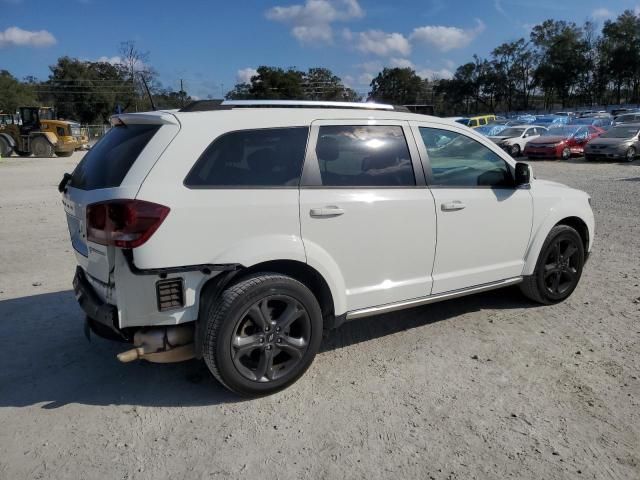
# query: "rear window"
108,162
270,157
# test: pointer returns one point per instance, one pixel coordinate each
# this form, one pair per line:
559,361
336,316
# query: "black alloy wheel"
271,338
561,267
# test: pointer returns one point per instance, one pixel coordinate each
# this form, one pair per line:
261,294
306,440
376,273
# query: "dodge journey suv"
238,233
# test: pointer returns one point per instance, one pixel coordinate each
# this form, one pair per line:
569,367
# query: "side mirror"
523,174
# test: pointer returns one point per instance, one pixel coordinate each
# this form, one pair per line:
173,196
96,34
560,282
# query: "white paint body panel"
382,250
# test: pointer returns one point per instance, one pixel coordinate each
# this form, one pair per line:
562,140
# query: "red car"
562,142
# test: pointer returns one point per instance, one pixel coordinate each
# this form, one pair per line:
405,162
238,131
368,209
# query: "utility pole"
181,94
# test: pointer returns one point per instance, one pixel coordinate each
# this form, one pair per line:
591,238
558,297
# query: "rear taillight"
124,223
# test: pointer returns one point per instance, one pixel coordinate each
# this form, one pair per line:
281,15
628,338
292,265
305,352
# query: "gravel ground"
486,387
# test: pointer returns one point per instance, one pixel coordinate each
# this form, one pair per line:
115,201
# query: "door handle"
452,206
326,212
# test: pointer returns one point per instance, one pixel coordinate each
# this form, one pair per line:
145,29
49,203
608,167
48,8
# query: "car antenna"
146,87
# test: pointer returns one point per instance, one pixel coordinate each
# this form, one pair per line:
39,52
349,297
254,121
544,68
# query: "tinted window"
365,156
108,162
270,157
459,161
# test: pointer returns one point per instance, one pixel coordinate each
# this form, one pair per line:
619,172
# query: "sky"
211,45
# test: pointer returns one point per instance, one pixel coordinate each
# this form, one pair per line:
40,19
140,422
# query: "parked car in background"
514,139
620,111
597,121
477,121
551,120
565,114
562,142
494,128
626,118
619,142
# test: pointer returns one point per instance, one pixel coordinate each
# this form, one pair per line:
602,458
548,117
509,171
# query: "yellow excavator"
39,133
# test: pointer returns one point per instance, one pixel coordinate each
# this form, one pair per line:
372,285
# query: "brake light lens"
124,223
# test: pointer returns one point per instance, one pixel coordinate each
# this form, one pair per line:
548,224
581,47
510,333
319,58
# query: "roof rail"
208,105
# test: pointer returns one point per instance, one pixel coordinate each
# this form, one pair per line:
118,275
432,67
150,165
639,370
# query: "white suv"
239,232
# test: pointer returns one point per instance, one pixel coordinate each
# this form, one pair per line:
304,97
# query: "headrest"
327,149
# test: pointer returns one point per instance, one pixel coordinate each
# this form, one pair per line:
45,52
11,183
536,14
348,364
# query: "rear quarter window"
270,157
108,162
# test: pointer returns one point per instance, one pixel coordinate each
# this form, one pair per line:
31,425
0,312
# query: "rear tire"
558,269
262,334
42,148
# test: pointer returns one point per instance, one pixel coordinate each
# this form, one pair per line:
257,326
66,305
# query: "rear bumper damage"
155,344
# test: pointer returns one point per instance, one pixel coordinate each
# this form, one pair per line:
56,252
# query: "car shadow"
46,360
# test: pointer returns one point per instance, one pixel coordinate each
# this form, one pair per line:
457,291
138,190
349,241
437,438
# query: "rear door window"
270,157
108,162
364,156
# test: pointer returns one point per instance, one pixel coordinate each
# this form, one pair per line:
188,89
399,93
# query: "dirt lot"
486,387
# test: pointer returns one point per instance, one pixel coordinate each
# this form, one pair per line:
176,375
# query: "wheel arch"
297,270
577,223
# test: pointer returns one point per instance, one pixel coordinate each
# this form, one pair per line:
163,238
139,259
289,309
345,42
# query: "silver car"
620,141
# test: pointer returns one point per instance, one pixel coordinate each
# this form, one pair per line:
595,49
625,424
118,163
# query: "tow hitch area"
161,345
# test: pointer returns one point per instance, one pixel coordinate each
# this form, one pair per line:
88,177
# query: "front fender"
548,214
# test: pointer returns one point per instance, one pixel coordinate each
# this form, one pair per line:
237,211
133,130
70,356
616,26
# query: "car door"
365,212
484,222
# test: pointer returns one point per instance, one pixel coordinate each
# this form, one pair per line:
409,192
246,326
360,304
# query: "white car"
514,139
239,232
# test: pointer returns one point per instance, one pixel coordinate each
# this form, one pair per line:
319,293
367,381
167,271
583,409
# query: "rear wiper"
62,186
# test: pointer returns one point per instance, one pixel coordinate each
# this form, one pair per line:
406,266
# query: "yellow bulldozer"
38,132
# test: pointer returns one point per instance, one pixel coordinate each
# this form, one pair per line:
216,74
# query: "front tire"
566,154
262,334
558,269
630,155
515,151
5,148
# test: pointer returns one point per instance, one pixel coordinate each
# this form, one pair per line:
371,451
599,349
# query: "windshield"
561,131
621,132
512,132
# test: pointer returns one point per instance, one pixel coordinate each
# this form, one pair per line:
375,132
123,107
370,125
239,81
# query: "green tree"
561,51
87,91
620,50
14,93
399,86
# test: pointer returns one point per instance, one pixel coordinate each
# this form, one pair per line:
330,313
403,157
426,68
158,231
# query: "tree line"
92,91
560,65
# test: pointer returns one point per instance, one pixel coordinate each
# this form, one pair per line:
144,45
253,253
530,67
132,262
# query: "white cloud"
430,74
601,14
115,60
17,37
244,75
447,38
401,63
118,60
379,42
312,21
365,78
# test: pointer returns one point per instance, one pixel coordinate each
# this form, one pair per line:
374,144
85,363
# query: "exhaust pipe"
161,345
